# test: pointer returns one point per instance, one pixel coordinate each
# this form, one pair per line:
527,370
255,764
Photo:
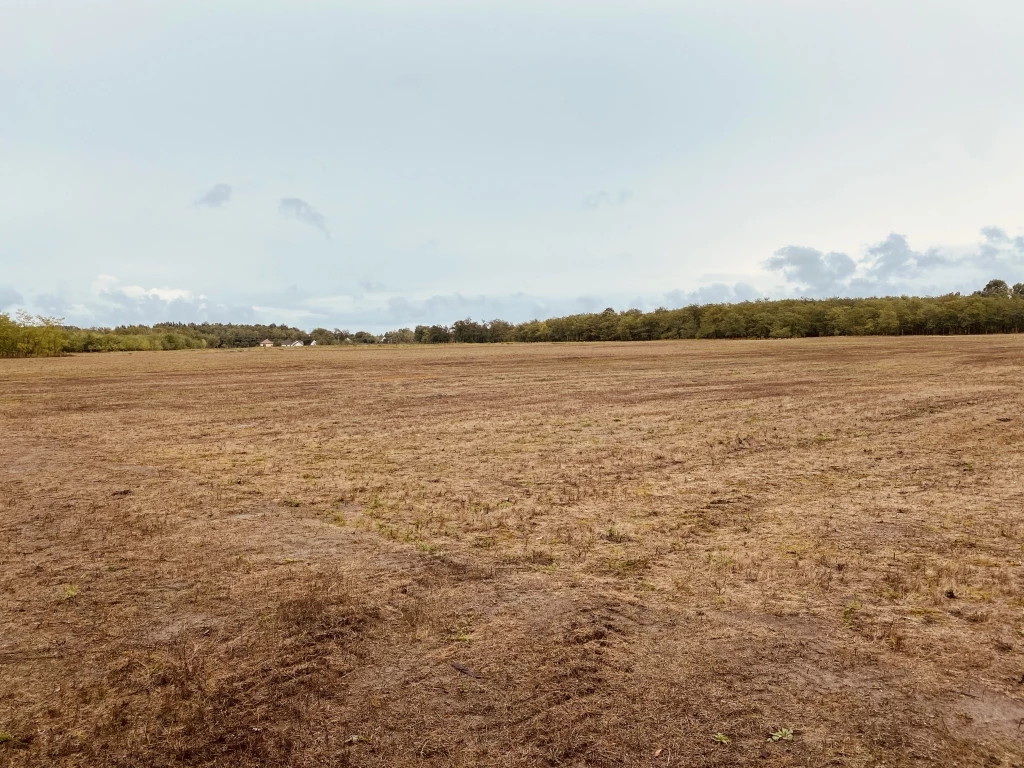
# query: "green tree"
996,288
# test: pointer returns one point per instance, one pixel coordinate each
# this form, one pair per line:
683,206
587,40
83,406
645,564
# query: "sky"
384,164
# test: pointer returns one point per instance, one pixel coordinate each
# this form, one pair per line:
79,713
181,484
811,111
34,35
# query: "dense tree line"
997,308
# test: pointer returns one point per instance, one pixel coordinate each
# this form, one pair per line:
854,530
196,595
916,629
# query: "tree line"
997,308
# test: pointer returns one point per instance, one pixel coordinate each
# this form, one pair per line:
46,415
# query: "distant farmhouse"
268,343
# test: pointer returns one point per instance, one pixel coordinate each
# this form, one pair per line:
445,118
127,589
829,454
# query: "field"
644,554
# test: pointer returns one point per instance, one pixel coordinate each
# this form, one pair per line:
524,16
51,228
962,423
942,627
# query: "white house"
266,343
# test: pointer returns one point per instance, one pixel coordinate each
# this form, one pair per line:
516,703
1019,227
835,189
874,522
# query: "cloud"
893,257
999,249
300,210
892,267
594,201
995,235
9,297
822,272
216,196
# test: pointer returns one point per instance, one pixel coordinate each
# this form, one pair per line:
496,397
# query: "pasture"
643,554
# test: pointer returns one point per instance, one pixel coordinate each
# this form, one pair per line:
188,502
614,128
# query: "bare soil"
564,555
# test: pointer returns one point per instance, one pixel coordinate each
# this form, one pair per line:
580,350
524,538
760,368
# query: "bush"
28,336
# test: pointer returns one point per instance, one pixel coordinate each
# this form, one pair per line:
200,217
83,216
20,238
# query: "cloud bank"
892,267
889,267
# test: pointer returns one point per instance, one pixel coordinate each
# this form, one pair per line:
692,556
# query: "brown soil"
575,555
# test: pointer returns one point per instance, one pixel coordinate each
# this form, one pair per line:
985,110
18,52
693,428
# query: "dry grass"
596,555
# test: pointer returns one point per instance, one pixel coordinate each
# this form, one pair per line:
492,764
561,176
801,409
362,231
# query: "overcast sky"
379,164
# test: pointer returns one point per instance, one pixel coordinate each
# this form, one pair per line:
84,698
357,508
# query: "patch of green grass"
627,566
69,592
721,738
782,734
615,535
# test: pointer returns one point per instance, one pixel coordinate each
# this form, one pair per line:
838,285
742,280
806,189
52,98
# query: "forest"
997,308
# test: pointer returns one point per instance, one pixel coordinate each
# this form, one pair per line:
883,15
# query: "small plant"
721,738
70,592
5,737
338,519
850,612
615,535
782,734
292,503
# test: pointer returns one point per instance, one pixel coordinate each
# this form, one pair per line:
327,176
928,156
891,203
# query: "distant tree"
887,323
400,336
499,331
996,288
432,334
468,331
364,337
323,337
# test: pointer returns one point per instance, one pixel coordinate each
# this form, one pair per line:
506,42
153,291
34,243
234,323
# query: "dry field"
575,555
